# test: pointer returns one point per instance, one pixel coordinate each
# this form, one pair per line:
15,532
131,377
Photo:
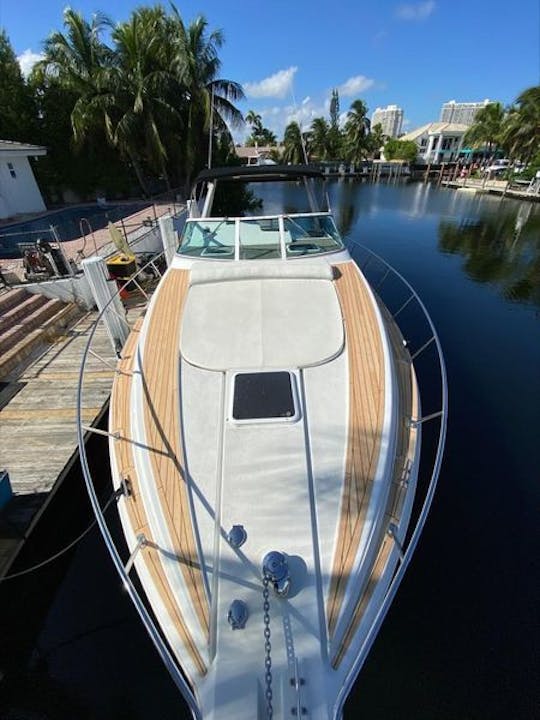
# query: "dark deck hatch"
263,395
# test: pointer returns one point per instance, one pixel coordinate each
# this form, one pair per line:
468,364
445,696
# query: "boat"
265,436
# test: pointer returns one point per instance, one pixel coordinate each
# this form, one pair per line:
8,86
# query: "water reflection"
502,249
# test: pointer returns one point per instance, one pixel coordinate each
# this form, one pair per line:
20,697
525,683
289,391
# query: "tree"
196,63
376,140
259,134
255,120
357,128
521,131
334,132
293,149
152,94
400,150
487,128
17,107
318,139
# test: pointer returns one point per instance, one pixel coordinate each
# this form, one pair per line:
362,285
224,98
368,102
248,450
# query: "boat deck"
158,373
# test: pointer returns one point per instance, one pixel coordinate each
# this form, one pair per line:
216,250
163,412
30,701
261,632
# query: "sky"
289,54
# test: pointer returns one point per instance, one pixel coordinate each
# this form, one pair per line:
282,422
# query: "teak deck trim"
405,454
366,414
120,421
161,389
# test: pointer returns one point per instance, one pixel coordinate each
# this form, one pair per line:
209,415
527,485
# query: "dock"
494,187
38,429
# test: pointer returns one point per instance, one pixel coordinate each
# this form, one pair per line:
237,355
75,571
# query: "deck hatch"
264,396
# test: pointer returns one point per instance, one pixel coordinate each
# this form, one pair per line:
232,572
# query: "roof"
435,128
10,146
259,173
254,151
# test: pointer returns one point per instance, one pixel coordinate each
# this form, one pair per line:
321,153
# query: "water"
459,642
66,222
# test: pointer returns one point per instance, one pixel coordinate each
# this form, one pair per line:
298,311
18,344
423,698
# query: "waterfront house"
19,191
438,142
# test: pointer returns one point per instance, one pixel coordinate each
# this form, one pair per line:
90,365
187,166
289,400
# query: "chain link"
267,650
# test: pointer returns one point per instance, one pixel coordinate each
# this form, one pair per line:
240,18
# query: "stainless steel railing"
441,413
124,567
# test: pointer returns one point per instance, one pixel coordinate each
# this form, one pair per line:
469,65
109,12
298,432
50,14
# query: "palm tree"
521,131
196,65
357,128
142,111
293,150
319,138
487,128
84,66
152,95
376,139
255,120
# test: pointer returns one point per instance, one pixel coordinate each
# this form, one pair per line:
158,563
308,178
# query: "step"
11,298
17,313
36,319
37,340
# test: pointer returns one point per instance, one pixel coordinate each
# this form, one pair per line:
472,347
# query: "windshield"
284,236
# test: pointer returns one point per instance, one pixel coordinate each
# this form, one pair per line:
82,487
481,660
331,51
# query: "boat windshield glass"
209,238
310,234
260,239
282,236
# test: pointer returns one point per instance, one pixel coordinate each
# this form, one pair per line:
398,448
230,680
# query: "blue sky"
290,54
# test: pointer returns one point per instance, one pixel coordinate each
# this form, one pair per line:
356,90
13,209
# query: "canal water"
461,639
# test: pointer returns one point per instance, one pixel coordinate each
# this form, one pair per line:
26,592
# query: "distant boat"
266,433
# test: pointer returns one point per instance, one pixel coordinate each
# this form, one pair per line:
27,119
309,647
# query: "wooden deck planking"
38,429
121,421
405,452
366,409
161,374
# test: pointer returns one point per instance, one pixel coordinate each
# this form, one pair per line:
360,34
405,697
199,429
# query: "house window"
12,170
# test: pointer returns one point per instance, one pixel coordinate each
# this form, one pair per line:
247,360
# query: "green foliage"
521,130
148,95
17,108
259,134
376,140
357,127
487,128
400,150
319,139
293,149
334,109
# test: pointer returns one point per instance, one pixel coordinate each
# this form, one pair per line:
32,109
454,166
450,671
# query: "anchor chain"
267,650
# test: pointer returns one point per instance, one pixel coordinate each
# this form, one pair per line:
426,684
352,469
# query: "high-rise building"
391,119
461,112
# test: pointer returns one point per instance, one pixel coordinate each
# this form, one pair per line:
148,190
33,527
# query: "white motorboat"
265,442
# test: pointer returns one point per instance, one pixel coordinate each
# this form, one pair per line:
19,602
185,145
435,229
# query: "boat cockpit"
266,237
308,232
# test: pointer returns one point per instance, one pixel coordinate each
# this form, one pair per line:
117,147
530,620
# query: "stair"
27,324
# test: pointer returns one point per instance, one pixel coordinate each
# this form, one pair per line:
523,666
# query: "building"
257,155
391,119
461,112
438,142
19,192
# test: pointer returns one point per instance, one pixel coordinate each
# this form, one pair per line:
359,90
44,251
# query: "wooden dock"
38,429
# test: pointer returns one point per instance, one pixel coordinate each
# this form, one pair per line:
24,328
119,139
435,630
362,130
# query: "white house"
19,192
438,142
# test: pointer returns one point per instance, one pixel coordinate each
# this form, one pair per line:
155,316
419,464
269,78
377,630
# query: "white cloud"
277,85
27,60
415,11
355,85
